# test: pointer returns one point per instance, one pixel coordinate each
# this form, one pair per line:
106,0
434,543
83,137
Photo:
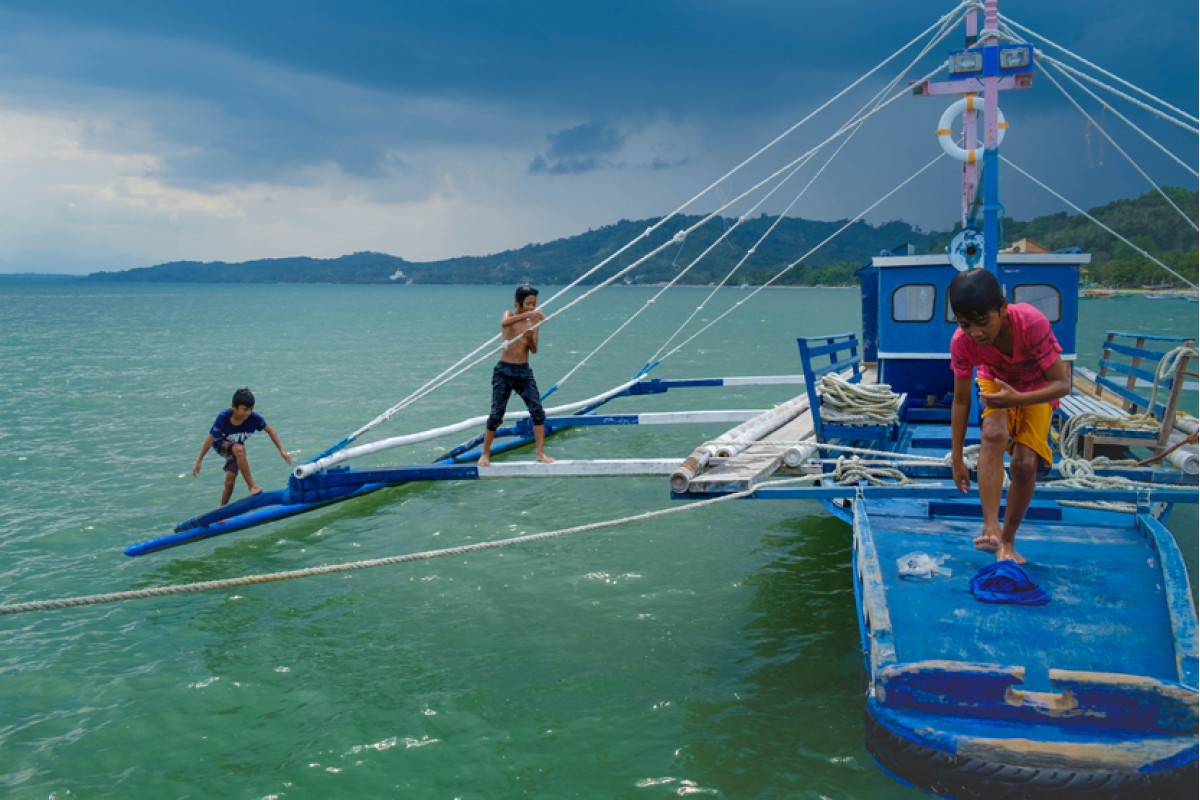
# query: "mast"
991,159
989,66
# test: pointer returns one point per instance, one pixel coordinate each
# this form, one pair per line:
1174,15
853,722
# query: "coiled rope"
1068,443
1081,474
852,470
857,403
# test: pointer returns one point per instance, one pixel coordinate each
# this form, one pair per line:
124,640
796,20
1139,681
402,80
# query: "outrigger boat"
1089,692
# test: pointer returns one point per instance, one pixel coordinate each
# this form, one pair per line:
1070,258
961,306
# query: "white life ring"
974,103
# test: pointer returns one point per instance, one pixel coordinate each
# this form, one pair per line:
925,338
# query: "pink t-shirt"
1034,351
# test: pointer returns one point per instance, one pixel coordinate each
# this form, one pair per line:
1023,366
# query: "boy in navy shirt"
228,436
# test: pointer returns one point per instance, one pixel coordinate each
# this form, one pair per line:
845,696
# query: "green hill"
1155,226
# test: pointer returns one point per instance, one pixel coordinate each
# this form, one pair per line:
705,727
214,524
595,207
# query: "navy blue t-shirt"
223,430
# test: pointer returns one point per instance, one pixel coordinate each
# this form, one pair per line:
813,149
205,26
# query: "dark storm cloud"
582,148
523,101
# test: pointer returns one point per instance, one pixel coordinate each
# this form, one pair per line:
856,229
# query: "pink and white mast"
992,68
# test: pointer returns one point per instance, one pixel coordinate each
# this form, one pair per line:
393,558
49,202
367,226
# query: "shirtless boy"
513,373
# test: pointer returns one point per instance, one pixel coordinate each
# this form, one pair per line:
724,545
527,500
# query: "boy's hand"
286,456
196,469
1007,397
962,475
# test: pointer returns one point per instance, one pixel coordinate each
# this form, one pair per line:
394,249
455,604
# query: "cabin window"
1045,298
914,303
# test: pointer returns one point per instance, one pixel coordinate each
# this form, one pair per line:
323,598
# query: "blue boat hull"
1091,695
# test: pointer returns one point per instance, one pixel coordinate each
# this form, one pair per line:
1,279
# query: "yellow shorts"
1027,425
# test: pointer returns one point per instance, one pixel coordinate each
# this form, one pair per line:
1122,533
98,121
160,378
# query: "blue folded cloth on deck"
1007,582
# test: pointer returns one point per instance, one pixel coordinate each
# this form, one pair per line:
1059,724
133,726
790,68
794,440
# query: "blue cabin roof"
907,322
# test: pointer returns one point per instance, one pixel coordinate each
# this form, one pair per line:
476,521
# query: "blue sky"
133,133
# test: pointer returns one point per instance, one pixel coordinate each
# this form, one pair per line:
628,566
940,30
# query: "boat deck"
1104,583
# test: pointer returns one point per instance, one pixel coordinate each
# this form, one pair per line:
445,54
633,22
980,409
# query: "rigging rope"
1101,70
454,371
1067,71
800,260
1098,222
1121,150
801,160
449,374
939,37
1076,73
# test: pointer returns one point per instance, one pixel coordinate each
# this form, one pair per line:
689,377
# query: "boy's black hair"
975,294
243,397
523,291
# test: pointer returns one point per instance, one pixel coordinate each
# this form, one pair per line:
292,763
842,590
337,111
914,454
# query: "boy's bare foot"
988,544
545,459
485,461
255,490
1007,553
988,540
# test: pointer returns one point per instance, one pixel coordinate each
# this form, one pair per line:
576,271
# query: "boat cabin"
908,322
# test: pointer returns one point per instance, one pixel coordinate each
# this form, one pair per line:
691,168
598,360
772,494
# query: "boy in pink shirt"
1021,377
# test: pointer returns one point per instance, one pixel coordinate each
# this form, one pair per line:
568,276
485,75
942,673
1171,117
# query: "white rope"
449,374
800,260
857,403
941,35
1096,221
1068,442
329,569
1081,474
793,165
1091,120
1066,71
1101,70
680,275
850,471
1075,73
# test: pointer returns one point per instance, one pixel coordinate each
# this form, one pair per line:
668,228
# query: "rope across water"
329,569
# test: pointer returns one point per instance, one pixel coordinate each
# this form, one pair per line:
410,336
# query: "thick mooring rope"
329,569
1081,474
857,403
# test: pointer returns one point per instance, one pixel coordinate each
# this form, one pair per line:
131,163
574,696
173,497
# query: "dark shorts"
225,451
506,379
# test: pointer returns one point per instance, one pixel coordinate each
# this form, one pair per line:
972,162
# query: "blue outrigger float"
1090,692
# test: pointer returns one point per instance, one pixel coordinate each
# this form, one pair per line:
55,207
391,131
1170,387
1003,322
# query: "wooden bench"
1122,388
841,351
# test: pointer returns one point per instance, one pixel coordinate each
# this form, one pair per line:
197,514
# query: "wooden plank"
740,472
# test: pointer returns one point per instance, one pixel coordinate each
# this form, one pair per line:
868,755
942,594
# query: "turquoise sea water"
712,654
